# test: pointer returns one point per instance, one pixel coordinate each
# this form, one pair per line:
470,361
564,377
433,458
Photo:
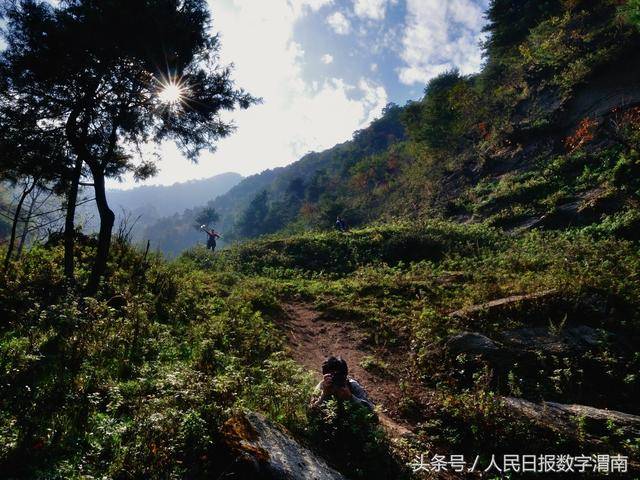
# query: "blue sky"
339,43
324,69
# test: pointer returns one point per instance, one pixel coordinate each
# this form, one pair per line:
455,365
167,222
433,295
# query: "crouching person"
337,384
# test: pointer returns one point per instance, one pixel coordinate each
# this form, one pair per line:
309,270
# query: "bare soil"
313,338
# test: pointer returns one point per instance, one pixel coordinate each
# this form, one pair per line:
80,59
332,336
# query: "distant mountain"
308,181
146,204
159,200
174,233
543,137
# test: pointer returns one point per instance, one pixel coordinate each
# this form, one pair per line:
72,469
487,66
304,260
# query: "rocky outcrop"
543,345
511,343
508,312
613,86
266,452
596,422
501,304
468,342
568,340
540,309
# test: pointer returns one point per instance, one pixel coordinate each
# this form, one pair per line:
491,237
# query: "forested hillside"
174,234
486,296
153,212
540,137
309,192
156,201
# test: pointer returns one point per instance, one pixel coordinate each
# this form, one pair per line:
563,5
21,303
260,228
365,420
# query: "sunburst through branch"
172,92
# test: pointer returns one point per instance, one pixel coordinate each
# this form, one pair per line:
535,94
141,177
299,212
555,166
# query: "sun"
172,93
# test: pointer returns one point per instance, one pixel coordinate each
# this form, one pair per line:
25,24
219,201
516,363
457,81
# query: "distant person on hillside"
341,225
212,235
336,383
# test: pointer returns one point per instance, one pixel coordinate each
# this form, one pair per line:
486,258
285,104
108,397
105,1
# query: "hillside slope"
281,193
460,333
507,326
141,209
546,136
305,183
163,200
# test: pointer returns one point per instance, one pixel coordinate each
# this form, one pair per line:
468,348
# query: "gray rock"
570,339
469,342
271,453
501,305
564,417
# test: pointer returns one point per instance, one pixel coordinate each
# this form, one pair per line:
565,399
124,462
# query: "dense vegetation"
138,381
519,183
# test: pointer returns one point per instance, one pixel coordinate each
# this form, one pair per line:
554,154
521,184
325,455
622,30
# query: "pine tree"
99,70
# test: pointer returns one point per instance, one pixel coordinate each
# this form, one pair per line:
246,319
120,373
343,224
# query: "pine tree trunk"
107,219
16,218
25,228
69,223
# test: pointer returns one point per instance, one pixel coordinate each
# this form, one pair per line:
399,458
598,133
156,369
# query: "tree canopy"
206,216
93,71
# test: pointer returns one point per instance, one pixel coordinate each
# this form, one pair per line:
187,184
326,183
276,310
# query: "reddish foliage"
626,117
308,209
584,134
359,181
483,129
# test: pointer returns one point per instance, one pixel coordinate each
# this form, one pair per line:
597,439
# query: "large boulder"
592,308
266,452
596,422
508,310
512,345
470,342
569,340
565,363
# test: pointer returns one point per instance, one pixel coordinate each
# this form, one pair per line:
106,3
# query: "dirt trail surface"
312,339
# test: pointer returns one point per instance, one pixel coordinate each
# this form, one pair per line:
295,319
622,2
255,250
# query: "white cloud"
295,117
440,36
375,96
300,5
374,67
316,4
374,9
339,23
327,58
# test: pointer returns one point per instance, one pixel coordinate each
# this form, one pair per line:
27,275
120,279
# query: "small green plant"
514,384
630,11
374,365
556,329
581,427
338,424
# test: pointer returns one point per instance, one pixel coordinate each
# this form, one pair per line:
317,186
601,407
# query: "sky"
324,69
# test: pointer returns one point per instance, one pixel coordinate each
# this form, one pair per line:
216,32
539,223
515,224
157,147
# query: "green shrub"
338,424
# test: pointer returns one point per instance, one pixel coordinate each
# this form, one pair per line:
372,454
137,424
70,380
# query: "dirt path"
312,339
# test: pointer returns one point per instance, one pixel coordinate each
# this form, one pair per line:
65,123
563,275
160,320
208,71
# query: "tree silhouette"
509,23
206,216
98,69
26,152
